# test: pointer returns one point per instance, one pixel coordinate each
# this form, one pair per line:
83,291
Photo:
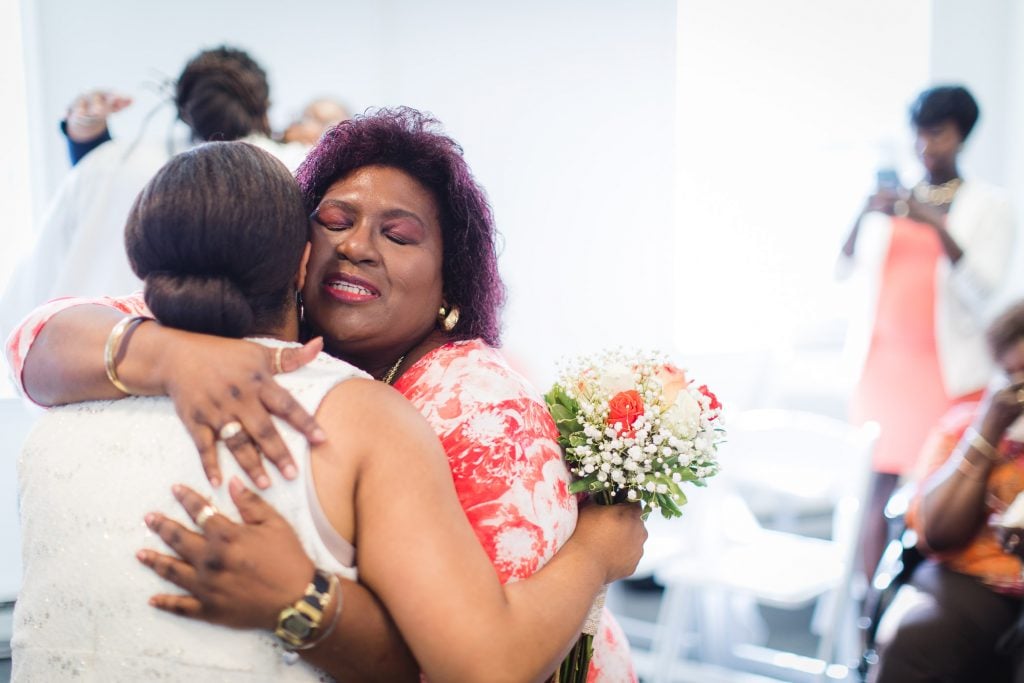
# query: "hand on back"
215,382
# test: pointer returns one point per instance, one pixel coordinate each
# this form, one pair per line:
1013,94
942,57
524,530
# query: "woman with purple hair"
411,296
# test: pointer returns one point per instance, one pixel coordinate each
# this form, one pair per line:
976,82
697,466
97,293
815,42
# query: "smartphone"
888,179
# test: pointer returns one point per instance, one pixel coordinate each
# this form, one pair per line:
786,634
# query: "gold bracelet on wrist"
969,470
301,626
981,444
112,350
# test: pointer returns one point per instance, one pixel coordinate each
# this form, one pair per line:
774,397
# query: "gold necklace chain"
937,195
389,376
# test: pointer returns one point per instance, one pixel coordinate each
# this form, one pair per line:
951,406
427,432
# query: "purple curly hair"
411,141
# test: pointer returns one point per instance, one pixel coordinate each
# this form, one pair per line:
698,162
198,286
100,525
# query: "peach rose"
672,381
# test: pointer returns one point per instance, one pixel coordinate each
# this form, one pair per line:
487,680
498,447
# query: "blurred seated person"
317,117
948,622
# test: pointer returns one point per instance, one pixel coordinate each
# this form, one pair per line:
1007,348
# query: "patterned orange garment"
502,448
983,557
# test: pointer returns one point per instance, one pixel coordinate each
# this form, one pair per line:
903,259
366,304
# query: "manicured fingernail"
318,436
262,481
289,472
141,556
150,519
178,490
215,481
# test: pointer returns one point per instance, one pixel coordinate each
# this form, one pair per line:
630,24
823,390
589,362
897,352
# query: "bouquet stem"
576,665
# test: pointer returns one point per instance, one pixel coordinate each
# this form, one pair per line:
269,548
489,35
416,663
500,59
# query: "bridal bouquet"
632,428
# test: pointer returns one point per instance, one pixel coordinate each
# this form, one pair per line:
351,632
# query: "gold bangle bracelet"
981,444
112,350
970,471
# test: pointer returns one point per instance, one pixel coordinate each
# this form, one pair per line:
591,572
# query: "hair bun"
210,304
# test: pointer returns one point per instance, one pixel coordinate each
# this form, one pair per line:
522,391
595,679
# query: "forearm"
566,587
952,250
954,502
64,364
850,246
366,644
79,148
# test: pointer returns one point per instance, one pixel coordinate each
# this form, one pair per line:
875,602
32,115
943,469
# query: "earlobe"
300,277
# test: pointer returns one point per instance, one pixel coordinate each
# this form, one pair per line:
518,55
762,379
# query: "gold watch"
299,625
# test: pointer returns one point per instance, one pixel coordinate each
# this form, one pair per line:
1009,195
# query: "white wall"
15,166
979,44
971,45
786,109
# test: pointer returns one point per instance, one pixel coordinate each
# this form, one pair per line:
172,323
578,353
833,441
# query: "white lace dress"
87,476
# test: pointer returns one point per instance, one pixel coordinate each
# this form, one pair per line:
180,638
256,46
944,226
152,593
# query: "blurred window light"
784,111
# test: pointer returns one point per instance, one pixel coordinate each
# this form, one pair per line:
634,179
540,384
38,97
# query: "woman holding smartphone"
935,257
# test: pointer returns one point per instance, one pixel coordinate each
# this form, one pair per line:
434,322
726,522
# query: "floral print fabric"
502,447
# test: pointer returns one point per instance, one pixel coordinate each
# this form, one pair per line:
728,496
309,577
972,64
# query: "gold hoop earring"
448,319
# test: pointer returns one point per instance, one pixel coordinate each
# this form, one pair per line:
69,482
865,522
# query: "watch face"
297,625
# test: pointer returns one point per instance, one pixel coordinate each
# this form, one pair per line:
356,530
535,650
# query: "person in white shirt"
221,94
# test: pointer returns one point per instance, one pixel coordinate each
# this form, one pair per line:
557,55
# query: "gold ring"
204,515
229,430
901,208
1020,396
278,365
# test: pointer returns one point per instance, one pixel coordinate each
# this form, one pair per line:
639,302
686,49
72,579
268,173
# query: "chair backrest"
15,421
786,463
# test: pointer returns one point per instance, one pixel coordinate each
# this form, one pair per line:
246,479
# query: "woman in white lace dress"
218,236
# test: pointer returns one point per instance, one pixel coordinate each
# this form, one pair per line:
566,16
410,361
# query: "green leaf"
577,439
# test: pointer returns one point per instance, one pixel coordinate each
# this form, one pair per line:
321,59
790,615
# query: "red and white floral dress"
502,448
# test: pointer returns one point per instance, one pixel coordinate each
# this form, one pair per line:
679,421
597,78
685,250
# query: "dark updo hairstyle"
412,142
217,236
1006,330
223,95
945,103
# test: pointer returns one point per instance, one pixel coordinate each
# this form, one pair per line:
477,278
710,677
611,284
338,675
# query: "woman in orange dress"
937,255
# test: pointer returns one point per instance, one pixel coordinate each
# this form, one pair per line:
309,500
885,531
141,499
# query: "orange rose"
623,410
672,380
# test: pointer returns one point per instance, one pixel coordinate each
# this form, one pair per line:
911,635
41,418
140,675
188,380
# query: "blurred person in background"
954,618
317,117
933,260
221,94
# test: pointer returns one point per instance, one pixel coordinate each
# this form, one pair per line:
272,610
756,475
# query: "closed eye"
331,217
398,238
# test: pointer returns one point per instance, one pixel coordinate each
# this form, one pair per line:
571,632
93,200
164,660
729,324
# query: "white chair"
802,462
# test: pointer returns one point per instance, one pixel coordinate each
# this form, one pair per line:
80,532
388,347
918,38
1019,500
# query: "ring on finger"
1020,396
204,515
230,430
278,360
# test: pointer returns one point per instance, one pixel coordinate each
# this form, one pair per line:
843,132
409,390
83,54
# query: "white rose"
617,378
684,415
